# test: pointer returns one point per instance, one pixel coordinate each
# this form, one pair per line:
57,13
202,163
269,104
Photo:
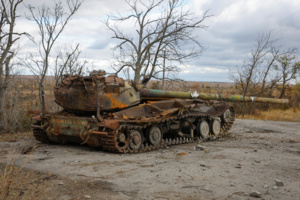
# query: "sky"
228,40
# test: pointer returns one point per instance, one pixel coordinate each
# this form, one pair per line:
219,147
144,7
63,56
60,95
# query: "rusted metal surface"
98,133
36,112
158,109
119,140
106,112
109,123
114,80
164,94
77,93
114,133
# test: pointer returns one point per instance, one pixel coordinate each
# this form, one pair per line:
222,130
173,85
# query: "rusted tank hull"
141,128
108,113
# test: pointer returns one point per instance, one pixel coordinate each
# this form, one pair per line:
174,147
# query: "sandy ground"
249,159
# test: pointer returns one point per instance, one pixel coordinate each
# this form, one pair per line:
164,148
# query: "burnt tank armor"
108,113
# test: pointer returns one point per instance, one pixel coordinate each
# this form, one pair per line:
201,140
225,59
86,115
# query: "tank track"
40,135
109,143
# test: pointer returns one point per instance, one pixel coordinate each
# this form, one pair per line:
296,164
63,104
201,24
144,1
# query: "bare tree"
288,66
247,75
269,65
167,35
68,62
8,39
269,82
51,23
257,76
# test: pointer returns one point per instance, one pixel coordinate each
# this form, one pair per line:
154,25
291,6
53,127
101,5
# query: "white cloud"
229,38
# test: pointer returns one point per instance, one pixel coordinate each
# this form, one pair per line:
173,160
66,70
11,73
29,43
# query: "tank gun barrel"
149,94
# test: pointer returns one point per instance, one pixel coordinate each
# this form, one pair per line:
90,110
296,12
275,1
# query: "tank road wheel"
155,135
226,116
121,141
216,127
136,139
203,128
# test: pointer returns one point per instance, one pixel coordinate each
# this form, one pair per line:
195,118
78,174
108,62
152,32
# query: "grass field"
289,115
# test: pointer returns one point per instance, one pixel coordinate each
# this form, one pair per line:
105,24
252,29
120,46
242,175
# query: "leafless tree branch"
51,22
68,62
268,66
170,32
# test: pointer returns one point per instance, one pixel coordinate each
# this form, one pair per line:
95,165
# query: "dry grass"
19,183
15,181
289,115
10,137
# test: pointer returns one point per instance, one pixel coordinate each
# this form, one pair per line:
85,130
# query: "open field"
249,159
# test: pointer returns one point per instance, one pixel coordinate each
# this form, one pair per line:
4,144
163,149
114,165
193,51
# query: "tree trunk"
284,82
42,97
137,75
282,91
2,92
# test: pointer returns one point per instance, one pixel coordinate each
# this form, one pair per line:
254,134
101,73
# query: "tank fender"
109,123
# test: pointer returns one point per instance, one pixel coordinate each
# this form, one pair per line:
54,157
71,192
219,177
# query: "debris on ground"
28,150
279,182
199,147
238,166
255,194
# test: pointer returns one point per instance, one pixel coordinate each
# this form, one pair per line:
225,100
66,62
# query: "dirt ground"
249,159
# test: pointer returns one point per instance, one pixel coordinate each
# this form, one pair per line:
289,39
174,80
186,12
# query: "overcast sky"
230,36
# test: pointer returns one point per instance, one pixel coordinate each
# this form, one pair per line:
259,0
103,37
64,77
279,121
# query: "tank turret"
82,93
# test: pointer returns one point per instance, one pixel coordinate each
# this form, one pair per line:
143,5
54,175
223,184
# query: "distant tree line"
270,67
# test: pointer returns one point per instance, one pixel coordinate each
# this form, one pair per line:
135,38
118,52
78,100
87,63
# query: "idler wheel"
155,135
226,116
136,139
216,127
203,128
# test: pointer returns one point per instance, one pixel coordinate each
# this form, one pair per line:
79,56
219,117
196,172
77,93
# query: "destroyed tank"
108,113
